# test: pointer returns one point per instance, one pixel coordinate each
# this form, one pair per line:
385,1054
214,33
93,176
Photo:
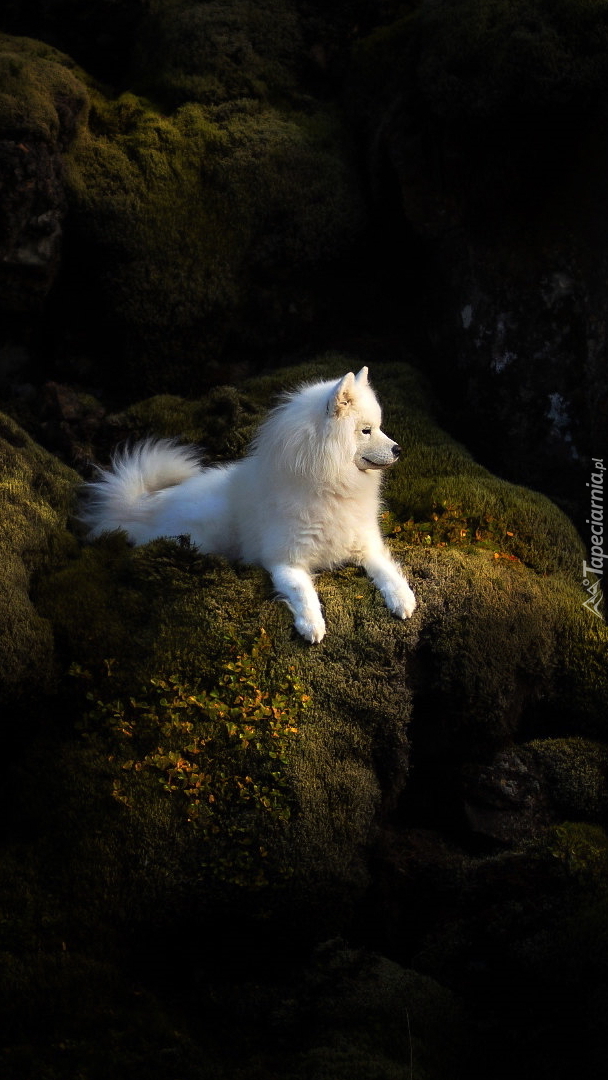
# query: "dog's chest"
333,530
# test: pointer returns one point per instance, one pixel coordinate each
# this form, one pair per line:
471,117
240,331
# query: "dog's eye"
366,431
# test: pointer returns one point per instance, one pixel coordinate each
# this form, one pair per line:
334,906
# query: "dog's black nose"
396,450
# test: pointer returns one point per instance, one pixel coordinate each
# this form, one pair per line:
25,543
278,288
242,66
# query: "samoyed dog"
304,499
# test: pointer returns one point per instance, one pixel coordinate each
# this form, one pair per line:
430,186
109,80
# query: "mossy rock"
63,988
195,227
215,52
206,225
356,1014
36,493
223,423
526,938
43,95
70,1004
499,644
340,750
576,771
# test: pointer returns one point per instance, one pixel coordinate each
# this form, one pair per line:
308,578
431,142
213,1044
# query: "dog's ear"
342,397
361,378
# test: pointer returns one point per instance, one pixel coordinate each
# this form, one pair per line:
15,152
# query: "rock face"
484,122
41,108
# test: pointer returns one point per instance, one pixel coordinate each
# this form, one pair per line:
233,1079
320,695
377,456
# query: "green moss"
95,612
581,848
387,48
66,1007
219,51
143,168
70,1007
440,495
188,212
576,772
42,95
191,222
164,610
218,759
524,53
224,422
35,494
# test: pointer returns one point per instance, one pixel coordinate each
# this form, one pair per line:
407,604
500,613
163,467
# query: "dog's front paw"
401,601
312,628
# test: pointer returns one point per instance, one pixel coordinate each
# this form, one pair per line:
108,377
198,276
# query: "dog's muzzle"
395,451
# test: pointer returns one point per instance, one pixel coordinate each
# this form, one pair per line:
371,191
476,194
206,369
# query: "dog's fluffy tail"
121,495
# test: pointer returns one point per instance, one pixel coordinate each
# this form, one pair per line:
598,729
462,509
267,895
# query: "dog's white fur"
305,498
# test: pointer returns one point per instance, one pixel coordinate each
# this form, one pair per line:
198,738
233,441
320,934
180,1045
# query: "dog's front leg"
297,590
390,580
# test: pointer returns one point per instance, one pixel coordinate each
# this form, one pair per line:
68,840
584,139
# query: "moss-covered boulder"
240,757
210,205
251,199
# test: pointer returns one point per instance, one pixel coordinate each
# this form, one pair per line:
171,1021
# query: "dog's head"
352,402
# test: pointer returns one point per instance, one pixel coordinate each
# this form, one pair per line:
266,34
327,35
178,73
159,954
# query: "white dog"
305,498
